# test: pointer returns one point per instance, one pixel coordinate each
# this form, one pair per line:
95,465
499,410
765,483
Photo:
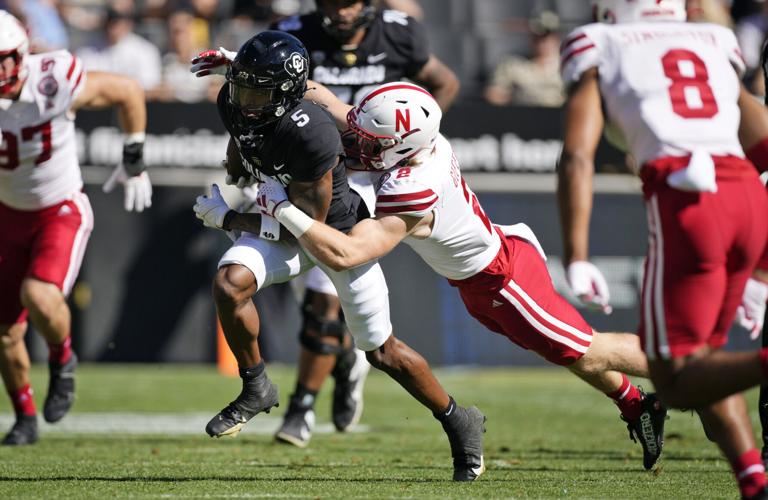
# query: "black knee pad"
323,327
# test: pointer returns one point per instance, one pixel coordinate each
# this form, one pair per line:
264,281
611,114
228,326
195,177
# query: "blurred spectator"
709,11
124,52
751,32
177,82
533,81
41,18
743,8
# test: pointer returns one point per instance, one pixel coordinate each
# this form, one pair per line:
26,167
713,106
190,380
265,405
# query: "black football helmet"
268,77
333,26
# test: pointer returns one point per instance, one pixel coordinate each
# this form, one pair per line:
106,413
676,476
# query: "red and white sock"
628,399
750,473
23,403
60,353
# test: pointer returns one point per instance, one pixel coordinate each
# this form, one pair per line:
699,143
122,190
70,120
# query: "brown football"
234,163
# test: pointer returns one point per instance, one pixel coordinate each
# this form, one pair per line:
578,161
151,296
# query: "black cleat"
24,431
258,395
465,433
297,425
61,390
649,429
350,372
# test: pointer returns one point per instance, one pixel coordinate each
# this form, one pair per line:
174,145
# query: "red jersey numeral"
676,62
472,200
9,149
9,152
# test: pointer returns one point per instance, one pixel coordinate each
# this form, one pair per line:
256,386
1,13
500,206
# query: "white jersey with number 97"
670,87
38,151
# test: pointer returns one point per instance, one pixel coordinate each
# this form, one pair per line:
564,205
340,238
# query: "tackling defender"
45,218
281,136
423,201
670,92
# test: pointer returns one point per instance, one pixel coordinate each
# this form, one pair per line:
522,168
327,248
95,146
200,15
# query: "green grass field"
548,436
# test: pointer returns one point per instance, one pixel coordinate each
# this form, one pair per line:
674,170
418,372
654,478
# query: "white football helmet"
14,43
394,123
631,11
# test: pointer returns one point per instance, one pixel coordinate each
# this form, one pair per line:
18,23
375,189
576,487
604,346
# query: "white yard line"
155,423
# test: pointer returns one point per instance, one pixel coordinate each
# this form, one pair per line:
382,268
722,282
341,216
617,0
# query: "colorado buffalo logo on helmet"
295,64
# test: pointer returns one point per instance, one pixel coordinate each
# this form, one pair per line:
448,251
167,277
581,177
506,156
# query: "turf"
549,436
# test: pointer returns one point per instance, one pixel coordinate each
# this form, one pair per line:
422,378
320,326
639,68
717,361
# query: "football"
234,162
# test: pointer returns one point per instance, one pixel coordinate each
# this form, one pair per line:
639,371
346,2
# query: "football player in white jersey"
45,218
500,272
670,93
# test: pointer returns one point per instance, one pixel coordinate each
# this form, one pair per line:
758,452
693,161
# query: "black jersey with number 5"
394,47
301,146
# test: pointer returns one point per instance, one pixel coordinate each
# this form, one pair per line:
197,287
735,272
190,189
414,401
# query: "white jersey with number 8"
671,88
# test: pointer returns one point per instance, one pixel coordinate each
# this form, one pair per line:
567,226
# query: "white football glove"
751,312
589,285
212,62
138,188
211,210
269,195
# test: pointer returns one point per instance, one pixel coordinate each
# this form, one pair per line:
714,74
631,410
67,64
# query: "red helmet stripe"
393,87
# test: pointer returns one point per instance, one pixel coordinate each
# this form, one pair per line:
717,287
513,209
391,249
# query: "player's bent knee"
233,285
40,296
385,357
10,335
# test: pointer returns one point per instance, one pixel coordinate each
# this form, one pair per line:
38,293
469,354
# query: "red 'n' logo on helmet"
404,120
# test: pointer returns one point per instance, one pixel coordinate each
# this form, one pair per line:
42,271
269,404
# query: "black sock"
252,372
448,411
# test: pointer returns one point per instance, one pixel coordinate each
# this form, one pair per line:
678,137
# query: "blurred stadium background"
144,290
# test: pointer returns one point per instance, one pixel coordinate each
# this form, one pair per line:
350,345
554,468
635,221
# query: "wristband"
270,228
294,220
227,220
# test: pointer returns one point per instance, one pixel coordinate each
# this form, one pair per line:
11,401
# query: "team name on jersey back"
670,88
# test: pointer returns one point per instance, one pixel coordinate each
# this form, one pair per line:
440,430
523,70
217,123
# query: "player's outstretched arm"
103,90
583,125
321,95
367,241
440,80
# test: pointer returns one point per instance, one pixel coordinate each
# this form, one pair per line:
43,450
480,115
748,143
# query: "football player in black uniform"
280,135
353,47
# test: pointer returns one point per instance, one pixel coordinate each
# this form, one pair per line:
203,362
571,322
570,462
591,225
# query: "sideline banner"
486,138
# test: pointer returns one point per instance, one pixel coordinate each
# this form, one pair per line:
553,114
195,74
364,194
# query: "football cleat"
465,433
648,428
61,390
24,431
350,372
258,395
297,425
